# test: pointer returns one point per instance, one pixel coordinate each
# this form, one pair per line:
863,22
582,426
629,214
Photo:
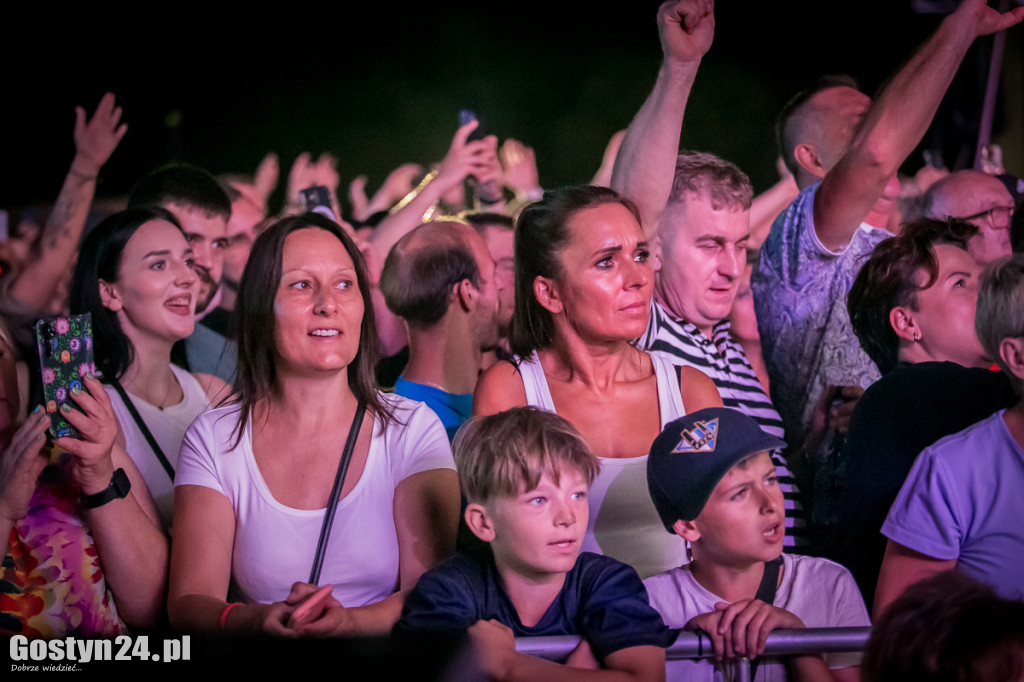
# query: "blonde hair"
503,454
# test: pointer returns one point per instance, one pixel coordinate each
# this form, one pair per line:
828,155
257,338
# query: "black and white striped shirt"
723,359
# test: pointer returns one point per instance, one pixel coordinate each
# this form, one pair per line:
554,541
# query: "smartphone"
467,115
489,192
307,611
318,200
65,357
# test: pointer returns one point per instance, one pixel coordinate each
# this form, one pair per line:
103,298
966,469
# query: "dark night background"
381,85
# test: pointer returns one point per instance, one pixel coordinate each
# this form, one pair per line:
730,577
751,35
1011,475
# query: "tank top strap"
535,383
670,403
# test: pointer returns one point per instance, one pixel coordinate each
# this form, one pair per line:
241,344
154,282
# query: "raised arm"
897,121
462,160
95,141
646,161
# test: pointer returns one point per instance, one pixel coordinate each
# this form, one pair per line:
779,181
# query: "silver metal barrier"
691,645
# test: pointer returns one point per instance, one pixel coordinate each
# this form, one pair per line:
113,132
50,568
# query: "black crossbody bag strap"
145,429
332,502
766,593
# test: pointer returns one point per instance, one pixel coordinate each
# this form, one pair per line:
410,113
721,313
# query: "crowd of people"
468,405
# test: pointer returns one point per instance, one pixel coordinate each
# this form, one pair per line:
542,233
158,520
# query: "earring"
917,337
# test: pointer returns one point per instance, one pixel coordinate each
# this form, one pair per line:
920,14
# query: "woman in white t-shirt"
135,276
255,478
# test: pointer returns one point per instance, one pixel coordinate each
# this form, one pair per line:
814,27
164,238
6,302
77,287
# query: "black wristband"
118,489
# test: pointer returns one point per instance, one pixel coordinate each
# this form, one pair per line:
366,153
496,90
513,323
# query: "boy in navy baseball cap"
713,483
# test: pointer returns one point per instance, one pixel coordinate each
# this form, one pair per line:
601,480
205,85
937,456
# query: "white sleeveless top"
168,427
623,521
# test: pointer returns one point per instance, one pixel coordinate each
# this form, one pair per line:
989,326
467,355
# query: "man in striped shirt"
702,246
695,209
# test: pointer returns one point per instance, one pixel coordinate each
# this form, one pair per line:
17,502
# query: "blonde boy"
713,483
525,474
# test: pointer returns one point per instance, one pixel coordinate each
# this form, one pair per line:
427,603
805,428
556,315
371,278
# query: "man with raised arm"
844,151
698,205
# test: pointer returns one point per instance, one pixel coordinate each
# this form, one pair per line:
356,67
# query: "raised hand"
357,197
986,19
687,28
396,185
20,466
97,138
520,165
464,158
265,179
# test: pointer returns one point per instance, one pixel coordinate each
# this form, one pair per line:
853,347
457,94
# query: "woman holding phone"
311,469
84,554
135,276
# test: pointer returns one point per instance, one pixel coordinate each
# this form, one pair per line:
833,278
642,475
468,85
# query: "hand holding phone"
311,609
65,357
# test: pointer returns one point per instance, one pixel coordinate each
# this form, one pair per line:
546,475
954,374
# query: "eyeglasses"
998,216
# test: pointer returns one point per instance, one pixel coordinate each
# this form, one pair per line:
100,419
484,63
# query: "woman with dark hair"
252,498
583,294
135,276
912,307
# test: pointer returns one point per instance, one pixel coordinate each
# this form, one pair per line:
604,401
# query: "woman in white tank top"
135,276
583,294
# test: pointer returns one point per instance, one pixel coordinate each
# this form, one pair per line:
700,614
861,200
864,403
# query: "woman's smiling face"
155,292
318,309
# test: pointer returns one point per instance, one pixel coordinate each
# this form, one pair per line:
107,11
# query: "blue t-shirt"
602,601
452,408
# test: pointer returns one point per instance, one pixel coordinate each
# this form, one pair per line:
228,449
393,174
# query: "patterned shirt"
800,290
724,361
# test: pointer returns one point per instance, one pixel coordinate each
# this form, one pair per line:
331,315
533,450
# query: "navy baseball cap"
693,453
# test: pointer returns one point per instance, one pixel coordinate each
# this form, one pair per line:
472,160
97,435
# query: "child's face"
540,532
743,520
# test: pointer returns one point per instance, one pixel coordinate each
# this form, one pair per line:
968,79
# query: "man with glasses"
980,199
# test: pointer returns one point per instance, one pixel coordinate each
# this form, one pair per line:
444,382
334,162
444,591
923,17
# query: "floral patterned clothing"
800,290
51,582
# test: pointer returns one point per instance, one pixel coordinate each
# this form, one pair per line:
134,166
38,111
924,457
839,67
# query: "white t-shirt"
168,427
274,544
819,592
623,522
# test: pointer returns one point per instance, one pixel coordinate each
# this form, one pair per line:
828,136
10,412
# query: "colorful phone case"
66,357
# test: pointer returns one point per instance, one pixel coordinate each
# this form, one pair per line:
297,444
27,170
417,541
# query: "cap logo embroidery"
702,437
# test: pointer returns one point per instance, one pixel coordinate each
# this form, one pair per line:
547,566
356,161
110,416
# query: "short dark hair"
542,232
99,258
947,627
255,322
421,269
791,119
889,279
481,221
181,183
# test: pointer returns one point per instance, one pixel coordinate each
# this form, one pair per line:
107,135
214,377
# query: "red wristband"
224,615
